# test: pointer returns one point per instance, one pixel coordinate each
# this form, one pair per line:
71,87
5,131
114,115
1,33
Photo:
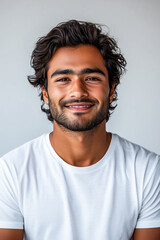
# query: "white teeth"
78,106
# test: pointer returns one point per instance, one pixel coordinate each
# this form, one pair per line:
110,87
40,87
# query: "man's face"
78,87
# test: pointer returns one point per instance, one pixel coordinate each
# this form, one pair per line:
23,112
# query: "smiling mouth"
79,107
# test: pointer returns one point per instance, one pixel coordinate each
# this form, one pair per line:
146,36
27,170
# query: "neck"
80,148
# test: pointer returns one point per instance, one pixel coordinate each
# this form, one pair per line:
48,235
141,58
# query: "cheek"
56,93
100,92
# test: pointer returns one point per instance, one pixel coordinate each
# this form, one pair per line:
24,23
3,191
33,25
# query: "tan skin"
79,148
11,234
76,145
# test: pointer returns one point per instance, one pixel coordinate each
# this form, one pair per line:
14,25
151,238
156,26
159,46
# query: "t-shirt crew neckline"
105,159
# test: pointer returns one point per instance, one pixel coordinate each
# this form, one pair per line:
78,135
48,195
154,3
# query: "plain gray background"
135,25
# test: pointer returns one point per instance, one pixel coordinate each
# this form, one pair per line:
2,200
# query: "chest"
96,206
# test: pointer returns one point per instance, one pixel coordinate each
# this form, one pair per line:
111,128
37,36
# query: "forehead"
77,58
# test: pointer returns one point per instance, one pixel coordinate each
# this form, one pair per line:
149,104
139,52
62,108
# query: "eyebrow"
83,71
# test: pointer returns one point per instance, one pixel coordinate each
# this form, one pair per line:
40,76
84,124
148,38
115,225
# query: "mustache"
64,102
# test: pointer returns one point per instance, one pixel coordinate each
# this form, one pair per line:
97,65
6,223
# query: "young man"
79,182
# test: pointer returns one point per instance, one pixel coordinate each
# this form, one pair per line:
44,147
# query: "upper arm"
11,217
148,219
147,234
11,234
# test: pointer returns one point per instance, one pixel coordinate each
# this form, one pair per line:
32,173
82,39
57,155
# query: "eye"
92,79
64,79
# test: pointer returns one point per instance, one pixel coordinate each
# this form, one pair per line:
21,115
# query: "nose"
78,89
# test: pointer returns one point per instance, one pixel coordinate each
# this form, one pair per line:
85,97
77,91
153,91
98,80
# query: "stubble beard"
79,124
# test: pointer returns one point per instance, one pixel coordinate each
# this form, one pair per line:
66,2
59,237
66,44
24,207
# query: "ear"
45,95
112,93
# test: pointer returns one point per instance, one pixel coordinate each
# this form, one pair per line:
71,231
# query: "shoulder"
135,157
133,150
24,152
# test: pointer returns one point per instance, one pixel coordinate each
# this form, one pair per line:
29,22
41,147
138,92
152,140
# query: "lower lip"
79,109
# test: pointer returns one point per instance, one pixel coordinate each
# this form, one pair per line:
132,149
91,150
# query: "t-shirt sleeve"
149,216
10,214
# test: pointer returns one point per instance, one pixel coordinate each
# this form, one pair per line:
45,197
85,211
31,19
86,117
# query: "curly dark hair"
73,33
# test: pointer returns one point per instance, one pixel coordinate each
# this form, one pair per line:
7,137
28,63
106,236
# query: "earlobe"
45,95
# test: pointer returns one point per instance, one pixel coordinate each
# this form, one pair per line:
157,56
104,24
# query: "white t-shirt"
52,199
